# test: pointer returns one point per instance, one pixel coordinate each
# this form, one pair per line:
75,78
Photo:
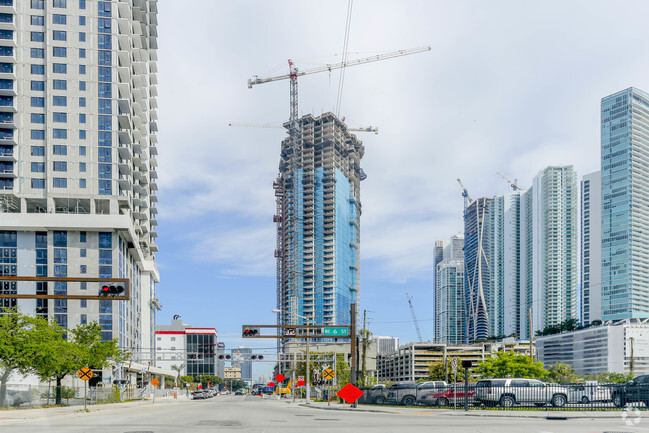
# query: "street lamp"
308,333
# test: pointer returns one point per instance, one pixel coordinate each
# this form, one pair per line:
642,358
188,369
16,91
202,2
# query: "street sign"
328,374
349,393
454,363
84,374
336,331
301,381
279,378
290,332
270,385
155,381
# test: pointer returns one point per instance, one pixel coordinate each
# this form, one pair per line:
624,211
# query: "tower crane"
373,129
414,319
465,193
514,186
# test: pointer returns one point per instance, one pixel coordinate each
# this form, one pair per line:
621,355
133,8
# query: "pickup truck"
410,393
633,391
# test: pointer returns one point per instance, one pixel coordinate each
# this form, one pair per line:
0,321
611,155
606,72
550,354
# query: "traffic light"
111,290
256,357
250,332
253,357
221,356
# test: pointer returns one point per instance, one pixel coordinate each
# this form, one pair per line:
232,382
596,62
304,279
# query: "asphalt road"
252,414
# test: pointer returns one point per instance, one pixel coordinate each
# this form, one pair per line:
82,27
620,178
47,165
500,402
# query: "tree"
510,364
561,373
178,369
21,340
436,371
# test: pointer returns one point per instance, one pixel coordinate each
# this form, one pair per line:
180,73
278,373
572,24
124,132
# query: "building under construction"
318,215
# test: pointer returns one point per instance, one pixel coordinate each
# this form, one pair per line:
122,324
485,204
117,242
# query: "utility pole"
364,347
531,336
353,348
632,359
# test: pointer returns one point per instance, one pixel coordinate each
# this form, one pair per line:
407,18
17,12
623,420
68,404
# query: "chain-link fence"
512,394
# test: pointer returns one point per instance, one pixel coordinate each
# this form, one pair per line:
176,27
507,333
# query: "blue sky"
509,86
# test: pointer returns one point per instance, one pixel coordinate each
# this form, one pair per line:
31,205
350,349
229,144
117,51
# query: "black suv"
634,391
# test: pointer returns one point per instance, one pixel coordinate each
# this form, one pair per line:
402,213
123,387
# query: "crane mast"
414,319
465,193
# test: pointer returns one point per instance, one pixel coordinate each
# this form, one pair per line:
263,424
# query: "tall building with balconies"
78,158
318,216
450,317
591,248
625,205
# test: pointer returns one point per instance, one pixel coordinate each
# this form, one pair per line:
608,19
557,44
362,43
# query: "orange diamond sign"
155,382
349,393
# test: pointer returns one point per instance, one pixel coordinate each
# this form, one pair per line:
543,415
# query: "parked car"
509,392
426,389
588,392
239,392
452,394
636,390
199,394
403,393
377,394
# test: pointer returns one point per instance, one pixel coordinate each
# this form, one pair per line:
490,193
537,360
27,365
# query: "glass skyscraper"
625,205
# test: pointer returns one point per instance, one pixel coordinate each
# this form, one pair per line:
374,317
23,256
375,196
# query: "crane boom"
514,186
465,194
414,319
373,129
294,72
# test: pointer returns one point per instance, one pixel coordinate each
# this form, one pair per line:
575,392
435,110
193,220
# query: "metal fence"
515,395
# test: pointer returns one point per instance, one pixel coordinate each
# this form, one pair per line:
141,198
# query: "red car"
452,394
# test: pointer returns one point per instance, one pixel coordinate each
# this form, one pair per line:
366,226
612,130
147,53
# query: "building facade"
591,248
77,160
385,344
318,223
625,205
195,349
549,237
449,312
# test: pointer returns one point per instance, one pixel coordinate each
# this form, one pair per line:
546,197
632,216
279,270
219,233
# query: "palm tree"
177,369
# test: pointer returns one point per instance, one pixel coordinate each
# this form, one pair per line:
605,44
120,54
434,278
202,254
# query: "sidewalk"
547,414
29,413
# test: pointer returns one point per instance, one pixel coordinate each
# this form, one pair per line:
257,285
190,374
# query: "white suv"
509,392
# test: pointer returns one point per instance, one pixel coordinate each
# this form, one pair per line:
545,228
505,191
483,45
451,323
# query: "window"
60,182
82,69
82,102
82,53
38,69
60,117
83,236
60,149
60,133
38,134
37,20
82,183
38,86
104,107
82,4
60,166
6,34
82,85
82,21
37,37
58,19
59,35
105,90
59,3
82,134
82,118
82,252
83,269
38,151
61,101
83,318
104,74
37,53
38,4
82,36
60,84
6,51
82,150
38,118
59,51
38,167
105,187
105,42
38,102
38,183
60,68
83,285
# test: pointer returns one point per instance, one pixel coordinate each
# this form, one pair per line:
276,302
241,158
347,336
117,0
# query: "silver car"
510,392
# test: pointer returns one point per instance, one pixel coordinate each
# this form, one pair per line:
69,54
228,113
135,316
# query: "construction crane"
373,129
465,193
414,319
509,181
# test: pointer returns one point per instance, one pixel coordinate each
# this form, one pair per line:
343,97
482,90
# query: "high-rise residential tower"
549,248
450,317
591,247
625,205
318,216
77,157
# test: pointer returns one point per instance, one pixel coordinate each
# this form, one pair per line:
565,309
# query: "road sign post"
85,374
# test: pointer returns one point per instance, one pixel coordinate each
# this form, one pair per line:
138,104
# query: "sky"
508,86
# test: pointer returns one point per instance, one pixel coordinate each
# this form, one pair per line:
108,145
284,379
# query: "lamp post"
308,333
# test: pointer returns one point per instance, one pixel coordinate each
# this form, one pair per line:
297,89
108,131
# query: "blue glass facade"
625,204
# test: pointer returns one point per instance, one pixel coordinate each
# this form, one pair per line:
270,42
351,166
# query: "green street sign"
336,331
